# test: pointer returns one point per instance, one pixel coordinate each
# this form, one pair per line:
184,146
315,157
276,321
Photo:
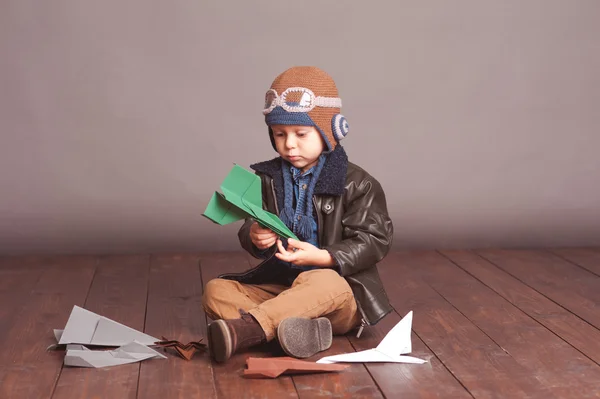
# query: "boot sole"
219,341
302,338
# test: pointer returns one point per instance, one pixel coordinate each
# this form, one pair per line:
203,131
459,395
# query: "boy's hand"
302,253
261,237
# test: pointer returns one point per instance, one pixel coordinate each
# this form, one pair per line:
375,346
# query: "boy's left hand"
302,253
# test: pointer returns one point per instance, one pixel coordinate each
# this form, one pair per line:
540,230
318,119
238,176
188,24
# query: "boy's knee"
328,278
212,290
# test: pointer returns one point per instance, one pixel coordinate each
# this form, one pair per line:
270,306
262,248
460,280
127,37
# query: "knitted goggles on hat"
307,102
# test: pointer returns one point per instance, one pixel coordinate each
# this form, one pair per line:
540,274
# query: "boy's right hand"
261,237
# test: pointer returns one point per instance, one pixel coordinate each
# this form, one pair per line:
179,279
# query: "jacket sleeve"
246,242
367,229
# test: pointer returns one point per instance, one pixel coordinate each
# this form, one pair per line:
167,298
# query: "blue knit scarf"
303,227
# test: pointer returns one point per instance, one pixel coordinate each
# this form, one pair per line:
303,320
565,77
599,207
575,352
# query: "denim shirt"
301,184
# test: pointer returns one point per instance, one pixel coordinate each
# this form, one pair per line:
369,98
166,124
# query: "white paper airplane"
80,356
391,348
90,329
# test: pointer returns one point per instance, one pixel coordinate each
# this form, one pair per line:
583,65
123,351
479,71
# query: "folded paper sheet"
186,351
80,356
391,348
85,328
242,198
88,328
273,367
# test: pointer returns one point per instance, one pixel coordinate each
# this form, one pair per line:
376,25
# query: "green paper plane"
242,198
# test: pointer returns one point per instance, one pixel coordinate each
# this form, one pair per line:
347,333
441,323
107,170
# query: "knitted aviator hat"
306,96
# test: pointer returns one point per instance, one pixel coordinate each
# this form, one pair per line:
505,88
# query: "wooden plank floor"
491,323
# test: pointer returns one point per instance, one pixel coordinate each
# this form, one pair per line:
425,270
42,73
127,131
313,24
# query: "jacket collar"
332,179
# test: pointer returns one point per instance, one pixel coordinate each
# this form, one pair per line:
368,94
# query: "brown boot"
225,337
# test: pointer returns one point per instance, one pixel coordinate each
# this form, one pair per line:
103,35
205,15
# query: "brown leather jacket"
353,226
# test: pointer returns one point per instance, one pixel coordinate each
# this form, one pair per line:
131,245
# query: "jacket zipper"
363,321
319,220
274,197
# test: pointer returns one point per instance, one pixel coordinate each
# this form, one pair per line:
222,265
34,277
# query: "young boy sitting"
327,282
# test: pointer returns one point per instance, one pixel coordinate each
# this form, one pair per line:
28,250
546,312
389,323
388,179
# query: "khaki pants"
314,293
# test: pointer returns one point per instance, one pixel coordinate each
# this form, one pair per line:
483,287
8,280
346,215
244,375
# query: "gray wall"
120,118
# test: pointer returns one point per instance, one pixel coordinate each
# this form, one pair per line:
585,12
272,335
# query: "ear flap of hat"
339,127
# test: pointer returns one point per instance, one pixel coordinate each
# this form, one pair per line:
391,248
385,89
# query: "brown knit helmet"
306,96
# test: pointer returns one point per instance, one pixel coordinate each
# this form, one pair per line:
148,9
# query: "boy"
326,283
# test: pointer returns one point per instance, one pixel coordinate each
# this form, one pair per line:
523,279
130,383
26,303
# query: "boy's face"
299,145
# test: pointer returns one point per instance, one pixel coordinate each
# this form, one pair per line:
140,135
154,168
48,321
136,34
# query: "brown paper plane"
186,351
273,367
